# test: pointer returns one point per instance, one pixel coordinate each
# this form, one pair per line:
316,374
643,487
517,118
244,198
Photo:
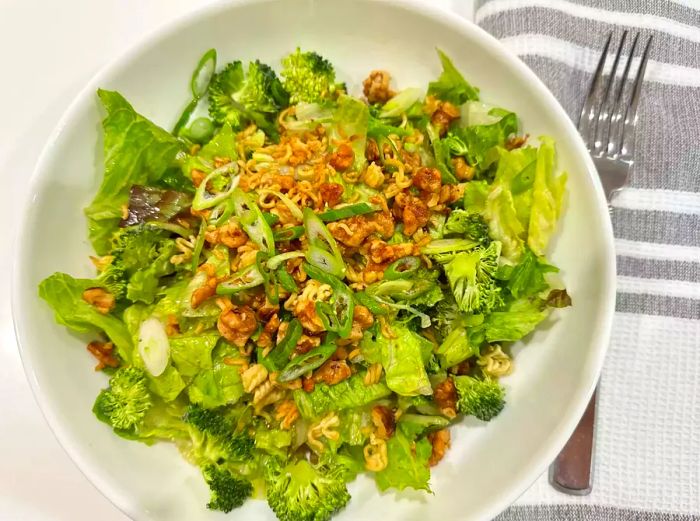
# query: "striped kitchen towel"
647,462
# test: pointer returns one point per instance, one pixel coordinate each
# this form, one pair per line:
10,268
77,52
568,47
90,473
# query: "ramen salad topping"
307,284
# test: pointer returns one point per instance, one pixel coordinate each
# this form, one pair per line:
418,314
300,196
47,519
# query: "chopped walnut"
443,116
372,151
376,87
237,324
381,252
197,176
412,211
103,351
308,384
427,180
463,171
99,298
445,396
230,234
440,440
384,421
331,193
306,343
265,338
451,193
342,158
286,182
354,230
332,372
204,292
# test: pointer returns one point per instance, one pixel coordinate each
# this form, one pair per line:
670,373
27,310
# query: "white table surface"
48,50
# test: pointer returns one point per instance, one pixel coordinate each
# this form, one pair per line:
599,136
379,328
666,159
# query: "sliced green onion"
253,222
402,268
443,246
320,275
288,234
293,207
184,117
173,228
197,250
274,262
279,356
389,288
326,261
270,218
307,362
287,281
350,210
200,130
203,200
222,213
324,252
337,315
203,73
246,278
269,279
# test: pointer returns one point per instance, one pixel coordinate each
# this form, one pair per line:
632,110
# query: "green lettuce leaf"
519,319
527,277
480,140
273,441
344,395
136,152
451,85
455,348
144,285
352,424
403,361
408,464
65,296
547,197
167,385
413,425
191,353
222,145
220,385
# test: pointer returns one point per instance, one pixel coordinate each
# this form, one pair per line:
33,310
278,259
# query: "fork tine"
618,109
627,144
588,109
604,110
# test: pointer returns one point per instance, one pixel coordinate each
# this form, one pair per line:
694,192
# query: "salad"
296,285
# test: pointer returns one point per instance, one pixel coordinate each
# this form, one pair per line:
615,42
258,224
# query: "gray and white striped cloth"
647,464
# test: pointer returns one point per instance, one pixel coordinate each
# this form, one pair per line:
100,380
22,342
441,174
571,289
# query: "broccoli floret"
483,399
227,491
125,402
113,278
469,225
214,438
471,277
309,77
447,317
301,492
237,98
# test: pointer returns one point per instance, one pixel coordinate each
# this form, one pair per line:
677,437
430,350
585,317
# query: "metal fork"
607,123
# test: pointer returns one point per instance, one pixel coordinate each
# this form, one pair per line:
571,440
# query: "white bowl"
489,465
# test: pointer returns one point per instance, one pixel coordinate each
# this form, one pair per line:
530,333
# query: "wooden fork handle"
572,471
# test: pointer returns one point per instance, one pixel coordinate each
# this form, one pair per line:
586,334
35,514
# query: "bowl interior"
489,465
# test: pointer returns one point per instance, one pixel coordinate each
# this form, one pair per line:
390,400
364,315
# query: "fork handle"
572,471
